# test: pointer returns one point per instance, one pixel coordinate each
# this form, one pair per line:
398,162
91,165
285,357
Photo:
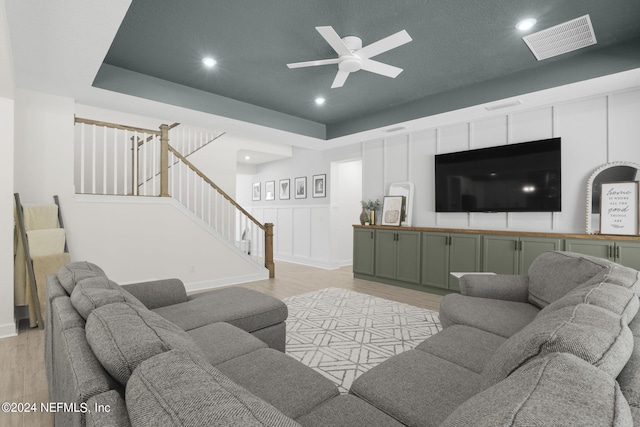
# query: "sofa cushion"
557,390
553,274
617,299
416,388
113,410
123,335
245,308
285,383
73,272
347,410
221,342
468,347
179,388
629,381
94,292
591,333
503,318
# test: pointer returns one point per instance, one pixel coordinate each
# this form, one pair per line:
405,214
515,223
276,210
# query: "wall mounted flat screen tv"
524,177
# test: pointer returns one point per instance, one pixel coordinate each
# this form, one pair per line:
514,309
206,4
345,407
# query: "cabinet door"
408,256
531,247
464,255
598,248
385,254
628,254
435,260
500,254
363,251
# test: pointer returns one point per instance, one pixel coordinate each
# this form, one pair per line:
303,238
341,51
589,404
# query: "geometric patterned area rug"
342,333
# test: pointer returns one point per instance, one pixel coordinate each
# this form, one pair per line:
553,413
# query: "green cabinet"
364,251
514,254
443,253
623,252
397,255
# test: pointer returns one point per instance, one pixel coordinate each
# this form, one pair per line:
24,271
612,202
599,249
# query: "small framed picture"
392,210
619,208
285,189
300,184
320,185
256,191
270,190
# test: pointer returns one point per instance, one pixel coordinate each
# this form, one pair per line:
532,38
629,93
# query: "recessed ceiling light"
526,24
320,100
209,62
247,157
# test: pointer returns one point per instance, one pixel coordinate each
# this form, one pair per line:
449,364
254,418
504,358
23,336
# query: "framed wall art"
300,185
270,190
285,189
393,210
619,208
319,185
256,191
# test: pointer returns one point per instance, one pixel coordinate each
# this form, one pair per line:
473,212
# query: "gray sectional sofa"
555,347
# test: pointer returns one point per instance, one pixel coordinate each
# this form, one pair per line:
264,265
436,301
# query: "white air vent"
563,38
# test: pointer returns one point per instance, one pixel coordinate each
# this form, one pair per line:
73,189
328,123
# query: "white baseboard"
227,281
311,262
8,330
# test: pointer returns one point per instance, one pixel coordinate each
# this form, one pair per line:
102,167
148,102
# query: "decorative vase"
363,217
372,217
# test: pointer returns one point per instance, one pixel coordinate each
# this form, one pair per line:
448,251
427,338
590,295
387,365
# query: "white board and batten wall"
594,131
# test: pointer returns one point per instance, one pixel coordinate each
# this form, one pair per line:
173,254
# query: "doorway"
346,194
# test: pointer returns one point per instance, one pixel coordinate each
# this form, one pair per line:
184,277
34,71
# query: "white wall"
594,131
302,227
133,241
346,193
7,323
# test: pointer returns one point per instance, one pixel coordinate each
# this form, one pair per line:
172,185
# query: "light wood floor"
22,372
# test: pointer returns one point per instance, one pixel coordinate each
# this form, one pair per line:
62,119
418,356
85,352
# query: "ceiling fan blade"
334,40
380,68
385,44
341,77
313,63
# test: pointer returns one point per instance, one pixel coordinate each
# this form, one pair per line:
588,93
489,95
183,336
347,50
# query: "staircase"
123,160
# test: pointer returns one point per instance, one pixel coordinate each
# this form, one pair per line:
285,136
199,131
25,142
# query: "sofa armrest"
498,286
158,293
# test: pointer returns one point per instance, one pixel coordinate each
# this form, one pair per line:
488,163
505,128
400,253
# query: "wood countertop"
505,232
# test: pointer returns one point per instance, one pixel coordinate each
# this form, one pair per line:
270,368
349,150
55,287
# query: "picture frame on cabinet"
300,185
270,190
393,210
619,208
285,189
255,196
319,183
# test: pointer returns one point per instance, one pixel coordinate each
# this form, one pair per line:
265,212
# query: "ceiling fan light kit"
353,57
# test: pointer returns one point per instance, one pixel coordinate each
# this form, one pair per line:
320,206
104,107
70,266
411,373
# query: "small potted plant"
372,206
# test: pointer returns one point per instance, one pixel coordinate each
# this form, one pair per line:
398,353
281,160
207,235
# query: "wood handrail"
116,126
218,189
150,138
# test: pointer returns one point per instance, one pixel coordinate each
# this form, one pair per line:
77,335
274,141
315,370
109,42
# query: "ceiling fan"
353,57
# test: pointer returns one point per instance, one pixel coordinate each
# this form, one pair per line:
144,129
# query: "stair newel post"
164,161
268,250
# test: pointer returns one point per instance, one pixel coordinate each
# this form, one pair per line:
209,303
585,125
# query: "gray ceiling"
463,53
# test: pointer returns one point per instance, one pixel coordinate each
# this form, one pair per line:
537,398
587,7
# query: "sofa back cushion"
94,292
592,333
123,335
617,299
74,272
553,274
558,389
181,388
